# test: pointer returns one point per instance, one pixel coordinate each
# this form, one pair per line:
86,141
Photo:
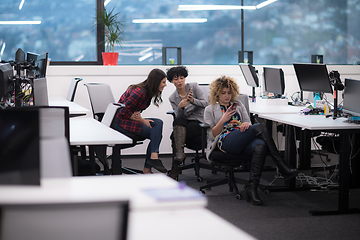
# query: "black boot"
284,168
175,170
179,137
179,143
257,164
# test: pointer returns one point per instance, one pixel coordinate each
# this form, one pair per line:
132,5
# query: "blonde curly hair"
217,86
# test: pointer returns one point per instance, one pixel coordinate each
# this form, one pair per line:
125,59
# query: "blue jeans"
154,134
238,142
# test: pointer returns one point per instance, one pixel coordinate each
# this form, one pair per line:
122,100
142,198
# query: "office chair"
102,101
72,89
229,163
197,144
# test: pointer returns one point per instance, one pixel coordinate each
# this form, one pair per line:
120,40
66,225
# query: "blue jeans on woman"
238,142
154,134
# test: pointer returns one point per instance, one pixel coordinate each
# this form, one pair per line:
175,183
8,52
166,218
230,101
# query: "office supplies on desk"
180,192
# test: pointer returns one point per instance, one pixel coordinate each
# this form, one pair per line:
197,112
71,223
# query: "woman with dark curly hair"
128,119
231,131
188,103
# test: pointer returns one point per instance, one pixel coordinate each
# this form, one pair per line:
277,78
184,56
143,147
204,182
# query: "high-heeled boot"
284,168
178,145
257,164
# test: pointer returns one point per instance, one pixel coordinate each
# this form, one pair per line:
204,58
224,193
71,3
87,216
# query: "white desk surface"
88,131
189,224
62,102
260,108
311,122
100,188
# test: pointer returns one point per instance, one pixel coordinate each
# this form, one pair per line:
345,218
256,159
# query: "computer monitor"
40,92
313,77
351,97
68,220
40,65
6,79
249,74
19,147
274,81
31,57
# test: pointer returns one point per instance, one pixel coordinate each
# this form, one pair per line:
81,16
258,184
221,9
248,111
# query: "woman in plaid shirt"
128,119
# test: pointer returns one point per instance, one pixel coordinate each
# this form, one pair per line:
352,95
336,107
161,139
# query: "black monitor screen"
19,147
313,77
351,103
6,79
249,74
274,80
40,65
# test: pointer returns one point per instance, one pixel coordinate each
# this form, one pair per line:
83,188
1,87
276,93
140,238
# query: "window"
282,32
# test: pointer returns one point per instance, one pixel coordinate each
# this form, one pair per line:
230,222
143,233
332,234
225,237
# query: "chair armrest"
119,104
204,125
171,112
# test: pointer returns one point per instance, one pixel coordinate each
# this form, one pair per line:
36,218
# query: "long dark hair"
151,85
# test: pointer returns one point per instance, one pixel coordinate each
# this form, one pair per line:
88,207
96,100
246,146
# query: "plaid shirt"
135,100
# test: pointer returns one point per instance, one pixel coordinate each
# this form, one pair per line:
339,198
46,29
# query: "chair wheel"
238,196
202,191
266,192
199,179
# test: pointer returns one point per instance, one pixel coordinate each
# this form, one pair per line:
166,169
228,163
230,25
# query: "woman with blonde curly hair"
231,131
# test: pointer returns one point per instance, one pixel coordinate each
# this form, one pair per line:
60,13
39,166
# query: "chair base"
230,180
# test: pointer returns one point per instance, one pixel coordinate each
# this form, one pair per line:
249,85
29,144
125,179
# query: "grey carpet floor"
284,215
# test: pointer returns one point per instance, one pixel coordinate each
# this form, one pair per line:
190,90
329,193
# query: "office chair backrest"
100,96
110,113
244,99
205,88
72,89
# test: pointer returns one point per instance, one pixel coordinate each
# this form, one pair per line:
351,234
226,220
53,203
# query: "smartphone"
234,105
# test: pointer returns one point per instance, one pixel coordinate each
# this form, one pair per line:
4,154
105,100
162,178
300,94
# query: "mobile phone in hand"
234,105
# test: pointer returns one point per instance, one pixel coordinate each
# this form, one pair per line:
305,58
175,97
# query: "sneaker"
157,164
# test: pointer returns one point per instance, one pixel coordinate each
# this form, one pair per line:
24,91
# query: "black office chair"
229,163
102,102
197,144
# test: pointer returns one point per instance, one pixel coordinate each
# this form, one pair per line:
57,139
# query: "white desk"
90,132
321,123
259,108
74,109
184,219
194,224
98,188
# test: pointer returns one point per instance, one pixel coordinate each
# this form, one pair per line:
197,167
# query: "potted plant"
113,29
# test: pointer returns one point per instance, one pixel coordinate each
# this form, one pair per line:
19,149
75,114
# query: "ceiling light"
263,4
19,22
171,20
21,4
222,7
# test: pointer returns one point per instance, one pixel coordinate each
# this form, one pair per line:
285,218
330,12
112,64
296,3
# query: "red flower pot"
110,58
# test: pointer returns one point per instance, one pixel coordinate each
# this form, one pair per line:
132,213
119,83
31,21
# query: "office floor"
285,215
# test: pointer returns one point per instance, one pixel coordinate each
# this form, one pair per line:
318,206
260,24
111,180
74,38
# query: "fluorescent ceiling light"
212,7
222,7
171,20
19,22
263,4
2,49
106,2
21,4
145,57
